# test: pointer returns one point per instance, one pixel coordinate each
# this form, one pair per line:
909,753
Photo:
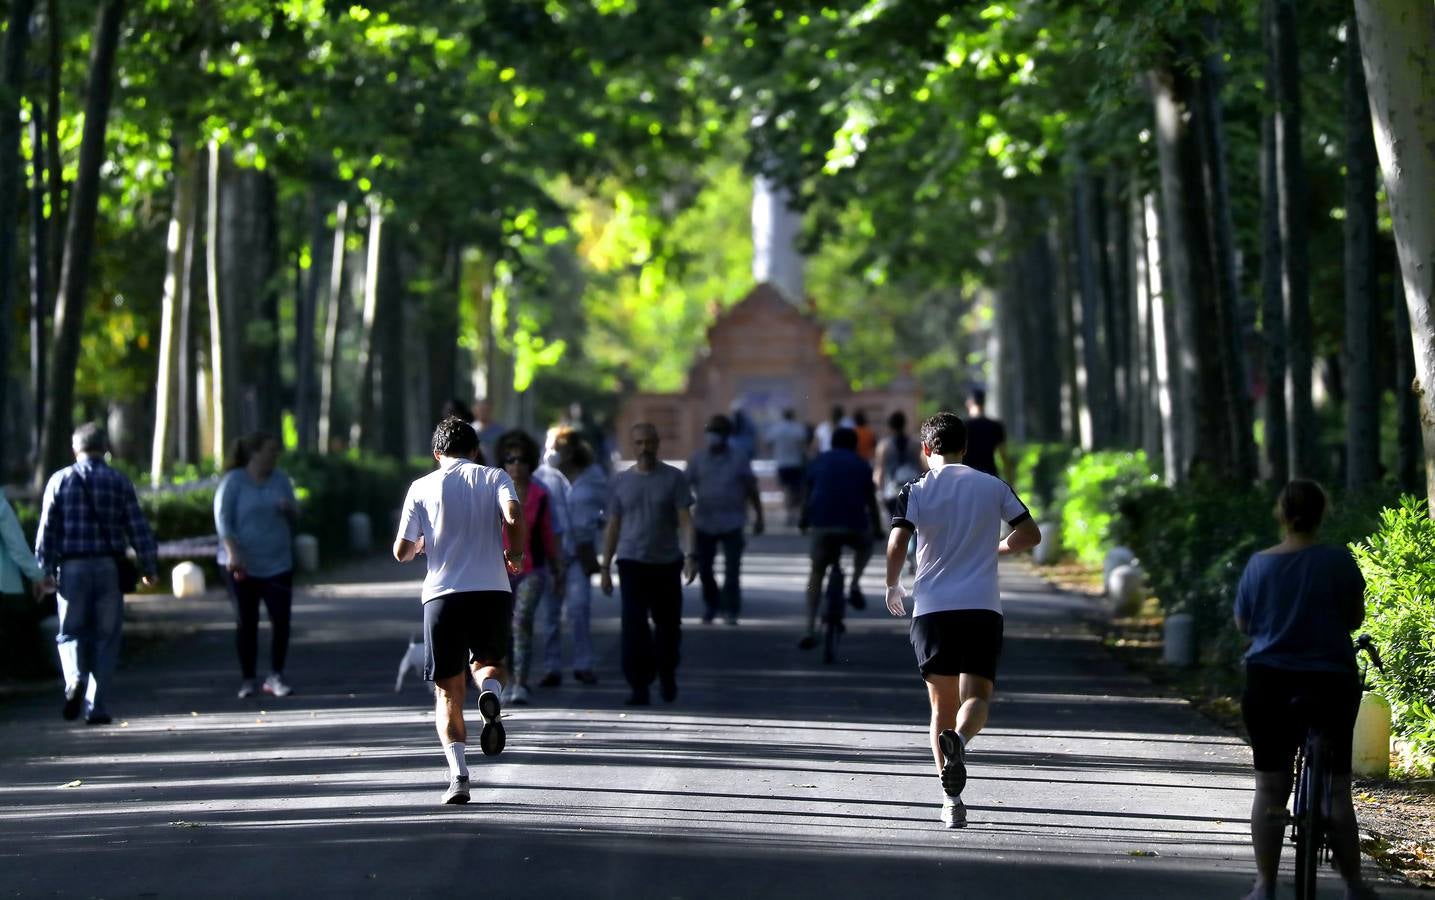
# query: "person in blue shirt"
839,508
253,511
1298,602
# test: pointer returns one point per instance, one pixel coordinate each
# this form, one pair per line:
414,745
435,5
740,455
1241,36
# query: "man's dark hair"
979,398
897,421
844,439
837,412
1302,506
456,408
859,418
520,444
720,424
945,433
454,437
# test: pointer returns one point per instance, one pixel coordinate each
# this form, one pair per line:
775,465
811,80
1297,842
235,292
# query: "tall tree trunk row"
17,42
176,283
1362,394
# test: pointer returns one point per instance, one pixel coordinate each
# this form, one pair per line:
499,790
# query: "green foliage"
1094,486
1398,562
1040,473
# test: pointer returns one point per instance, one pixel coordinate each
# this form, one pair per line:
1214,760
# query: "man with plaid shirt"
90,514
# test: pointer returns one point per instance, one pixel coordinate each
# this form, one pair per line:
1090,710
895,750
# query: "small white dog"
413,659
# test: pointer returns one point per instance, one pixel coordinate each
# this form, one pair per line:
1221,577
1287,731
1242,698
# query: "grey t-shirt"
648,504
720,483
1301,607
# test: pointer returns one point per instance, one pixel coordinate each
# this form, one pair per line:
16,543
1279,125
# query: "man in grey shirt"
650,535
724,486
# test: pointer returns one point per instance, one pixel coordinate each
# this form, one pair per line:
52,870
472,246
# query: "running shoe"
857,598
491,738
808,641
275,685
248,688
954,813
552,679
954,773
74,700
98,719
518,695
457,790
585,676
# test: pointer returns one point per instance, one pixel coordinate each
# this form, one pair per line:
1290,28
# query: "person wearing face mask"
550,637
723,487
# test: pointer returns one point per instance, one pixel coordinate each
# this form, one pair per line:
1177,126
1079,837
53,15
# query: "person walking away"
986,439
650,537
1298,602
550,607
744,431
542,565
466,520
822,435
586,499
489,431
788,438
254,510
723,486
898,460
866,436
88,516
18,613
840,509
956,513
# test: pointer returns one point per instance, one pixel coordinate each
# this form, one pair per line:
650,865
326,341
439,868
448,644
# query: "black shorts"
958,642
1276,727
464,624
826,545
790,477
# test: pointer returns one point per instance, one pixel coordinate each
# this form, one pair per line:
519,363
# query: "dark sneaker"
954,773
708,618
954,813
552,679
74,699
585,676
457,790
491,738
668,688
98,719
857,598
638,698
808,642
731,620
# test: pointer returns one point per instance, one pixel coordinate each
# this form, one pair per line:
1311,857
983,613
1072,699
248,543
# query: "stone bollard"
1370,755
1116,556
1049,550
187,580
1179,641
1126,588
361,533
306,553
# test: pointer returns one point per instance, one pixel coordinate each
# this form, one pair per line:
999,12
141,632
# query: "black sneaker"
808,642
491,738
857,598
74,699
457,791
552,679
98,719
954,773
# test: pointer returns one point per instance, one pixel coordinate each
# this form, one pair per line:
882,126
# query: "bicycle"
834,611
1313,790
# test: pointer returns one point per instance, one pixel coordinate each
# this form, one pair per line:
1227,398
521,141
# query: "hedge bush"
1092,492
1398,562
1040,474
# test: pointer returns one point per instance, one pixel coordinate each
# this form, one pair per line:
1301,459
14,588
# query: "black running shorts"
458,625
1277,728
958,642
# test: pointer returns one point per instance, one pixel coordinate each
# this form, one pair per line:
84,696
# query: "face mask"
716,441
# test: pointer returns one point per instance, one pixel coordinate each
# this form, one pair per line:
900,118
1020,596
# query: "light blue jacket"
16,559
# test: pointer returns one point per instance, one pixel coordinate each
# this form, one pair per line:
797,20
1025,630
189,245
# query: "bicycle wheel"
1310,821
836,600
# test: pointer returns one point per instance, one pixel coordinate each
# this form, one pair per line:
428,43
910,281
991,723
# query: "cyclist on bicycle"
1299,601
839,505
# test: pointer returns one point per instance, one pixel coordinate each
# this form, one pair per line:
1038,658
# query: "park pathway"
772,776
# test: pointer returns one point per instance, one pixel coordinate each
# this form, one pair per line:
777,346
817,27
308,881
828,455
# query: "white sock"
457,765
492,684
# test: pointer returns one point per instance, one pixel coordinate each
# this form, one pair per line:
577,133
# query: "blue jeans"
728,600
91,616
576,602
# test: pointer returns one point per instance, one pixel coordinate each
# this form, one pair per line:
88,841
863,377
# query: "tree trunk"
249,273
1362,394
330,365
1304,452
1166,376
1273,328
361,433
186,425
1398,48
392,437
39,272
1409,451
223,427
176,283
306,399
440,332
12,82
80,240
1116,256
1039,306
1095,352
1146,410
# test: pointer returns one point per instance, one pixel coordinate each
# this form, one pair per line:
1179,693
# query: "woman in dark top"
1299,601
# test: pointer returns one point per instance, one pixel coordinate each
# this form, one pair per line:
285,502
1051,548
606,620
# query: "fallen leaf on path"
802,785
181,823
73,784
1142,853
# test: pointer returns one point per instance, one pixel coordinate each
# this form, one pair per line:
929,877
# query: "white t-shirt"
958,514
458,511
822,435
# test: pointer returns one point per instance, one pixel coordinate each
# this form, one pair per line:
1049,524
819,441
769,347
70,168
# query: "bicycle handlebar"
1366,643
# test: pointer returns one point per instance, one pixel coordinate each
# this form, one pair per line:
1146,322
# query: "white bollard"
1049,550
306,553
1116,556
187,580
361,532
1126,587
1370,753
1179,641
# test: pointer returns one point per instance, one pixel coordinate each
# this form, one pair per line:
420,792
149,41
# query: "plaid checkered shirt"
72,525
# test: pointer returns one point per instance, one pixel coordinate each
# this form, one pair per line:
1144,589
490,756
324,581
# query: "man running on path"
453,516
957,514
839,505
650,535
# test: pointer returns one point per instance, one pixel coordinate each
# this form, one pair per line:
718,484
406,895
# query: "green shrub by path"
1040,473
1398,562
1093,486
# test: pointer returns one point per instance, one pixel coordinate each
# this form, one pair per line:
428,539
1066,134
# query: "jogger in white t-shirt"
957,514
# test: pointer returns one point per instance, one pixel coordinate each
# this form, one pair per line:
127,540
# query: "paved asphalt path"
771,776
